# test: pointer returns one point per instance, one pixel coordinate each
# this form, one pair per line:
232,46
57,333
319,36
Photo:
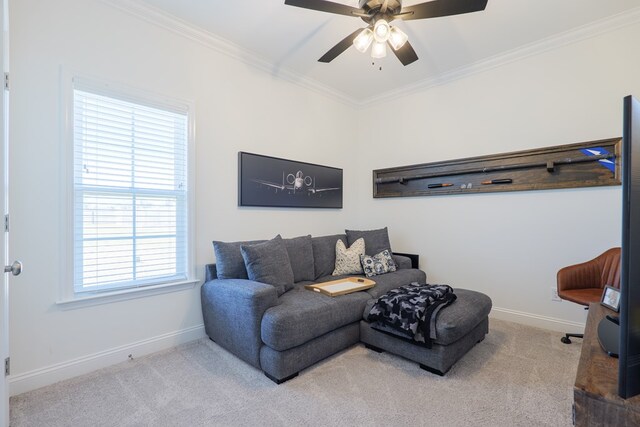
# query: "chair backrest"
609,263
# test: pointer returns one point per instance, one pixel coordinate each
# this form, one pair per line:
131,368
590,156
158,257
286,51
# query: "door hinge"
6,81
6,223
7,366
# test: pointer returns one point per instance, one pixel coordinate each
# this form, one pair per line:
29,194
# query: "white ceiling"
292,39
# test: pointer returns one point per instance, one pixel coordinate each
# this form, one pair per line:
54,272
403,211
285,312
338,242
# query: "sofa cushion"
464,314
331,278
348,259
300,252
386,282
302,315
457,319
324,253
380,263
269,263
229,261
375,241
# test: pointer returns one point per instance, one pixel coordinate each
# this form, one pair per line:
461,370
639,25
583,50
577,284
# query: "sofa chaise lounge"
282,333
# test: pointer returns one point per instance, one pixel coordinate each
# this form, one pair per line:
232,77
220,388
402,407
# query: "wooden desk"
595,394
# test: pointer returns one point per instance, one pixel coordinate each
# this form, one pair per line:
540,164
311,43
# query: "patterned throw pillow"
378,264
348,260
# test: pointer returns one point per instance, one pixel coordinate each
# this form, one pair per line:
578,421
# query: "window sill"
125,294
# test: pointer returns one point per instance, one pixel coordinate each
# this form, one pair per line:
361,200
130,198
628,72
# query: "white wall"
507,245
237,108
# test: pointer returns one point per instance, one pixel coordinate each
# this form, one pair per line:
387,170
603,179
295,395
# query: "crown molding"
155,16
160,18
596,28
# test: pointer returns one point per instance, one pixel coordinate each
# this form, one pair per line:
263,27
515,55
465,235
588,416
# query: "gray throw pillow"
375,241
324,254
269,263
229,261
300,252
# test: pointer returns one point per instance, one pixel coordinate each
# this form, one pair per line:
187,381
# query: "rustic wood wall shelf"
586,164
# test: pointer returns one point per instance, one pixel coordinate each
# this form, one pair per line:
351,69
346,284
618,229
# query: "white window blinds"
130,193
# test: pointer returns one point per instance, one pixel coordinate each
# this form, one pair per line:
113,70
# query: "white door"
4,295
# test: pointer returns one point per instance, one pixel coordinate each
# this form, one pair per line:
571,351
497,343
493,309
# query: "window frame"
69,297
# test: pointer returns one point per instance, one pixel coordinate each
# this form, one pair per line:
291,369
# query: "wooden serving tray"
345,286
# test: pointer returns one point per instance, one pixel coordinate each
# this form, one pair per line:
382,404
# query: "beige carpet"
518,376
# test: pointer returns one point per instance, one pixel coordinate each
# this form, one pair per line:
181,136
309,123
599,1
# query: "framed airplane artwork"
274,182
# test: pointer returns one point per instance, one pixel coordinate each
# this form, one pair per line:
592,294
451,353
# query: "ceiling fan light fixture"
379,50
381,31
363,40
397,38
377,14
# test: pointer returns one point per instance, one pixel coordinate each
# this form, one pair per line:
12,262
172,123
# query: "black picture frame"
611,298
265,181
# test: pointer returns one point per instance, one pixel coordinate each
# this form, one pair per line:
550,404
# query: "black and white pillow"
379,263
348,259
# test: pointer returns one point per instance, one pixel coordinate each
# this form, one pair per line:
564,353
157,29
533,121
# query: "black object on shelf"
609,336
614,319
498,181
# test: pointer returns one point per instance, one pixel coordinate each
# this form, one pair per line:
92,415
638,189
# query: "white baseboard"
37,378
530,319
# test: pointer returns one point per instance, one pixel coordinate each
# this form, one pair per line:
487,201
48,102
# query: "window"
130,192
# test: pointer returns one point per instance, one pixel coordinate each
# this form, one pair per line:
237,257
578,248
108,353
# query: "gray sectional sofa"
282,331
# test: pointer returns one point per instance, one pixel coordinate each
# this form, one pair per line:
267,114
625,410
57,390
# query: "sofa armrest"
401,261
232,310
210,272
579,276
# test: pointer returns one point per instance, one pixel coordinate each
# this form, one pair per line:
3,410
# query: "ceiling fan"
378,14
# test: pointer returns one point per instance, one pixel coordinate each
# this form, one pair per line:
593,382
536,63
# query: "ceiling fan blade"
325,6
340,47
405,54
436,8
385,5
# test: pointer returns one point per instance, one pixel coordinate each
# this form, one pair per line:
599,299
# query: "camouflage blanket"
410,311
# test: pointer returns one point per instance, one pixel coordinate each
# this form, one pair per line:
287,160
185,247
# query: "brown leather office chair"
583,283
